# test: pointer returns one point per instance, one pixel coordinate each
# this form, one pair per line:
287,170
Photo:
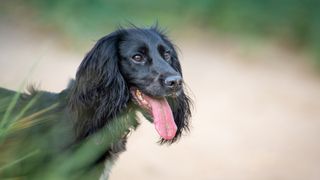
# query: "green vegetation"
294,21
34,134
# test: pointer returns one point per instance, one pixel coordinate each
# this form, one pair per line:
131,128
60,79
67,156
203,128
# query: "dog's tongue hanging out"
161,112
162,117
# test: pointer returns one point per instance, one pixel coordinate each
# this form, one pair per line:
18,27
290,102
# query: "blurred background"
252,67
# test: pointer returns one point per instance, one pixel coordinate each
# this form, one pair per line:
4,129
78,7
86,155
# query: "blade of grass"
5,122
30,120
26,108
19,160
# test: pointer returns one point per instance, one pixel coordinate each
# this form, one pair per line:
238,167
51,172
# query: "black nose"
173,82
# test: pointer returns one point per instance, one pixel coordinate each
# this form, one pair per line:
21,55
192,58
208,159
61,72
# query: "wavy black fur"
100,98
101,91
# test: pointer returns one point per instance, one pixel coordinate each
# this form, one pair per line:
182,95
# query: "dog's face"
131,65
146,63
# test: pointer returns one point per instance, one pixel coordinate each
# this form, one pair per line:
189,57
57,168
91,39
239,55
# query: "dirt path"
257,110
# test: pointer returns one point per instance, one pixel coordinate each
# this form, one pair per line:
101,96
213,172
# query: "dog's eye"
137,58
167,56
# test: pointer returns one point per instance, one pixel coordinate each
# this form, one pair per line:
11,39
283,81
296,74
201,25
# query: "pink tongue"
163,118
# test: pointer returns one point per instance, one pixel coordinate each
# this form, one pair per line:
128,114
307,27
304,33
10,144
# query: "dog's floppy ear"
180,105
181,109
99,91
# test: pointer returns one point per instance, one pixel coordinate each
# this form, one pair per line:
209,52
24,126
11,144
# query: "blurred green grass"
34,135
293,21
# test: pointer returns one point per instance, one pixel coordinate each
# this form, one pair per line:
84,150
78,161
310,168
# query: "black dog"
126,71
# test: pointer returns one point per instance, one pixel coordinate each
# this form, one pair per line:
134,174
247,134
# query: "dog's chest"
111,156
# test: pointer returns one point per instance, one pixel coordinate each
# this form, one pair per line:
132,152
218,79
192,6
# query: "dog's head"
131,65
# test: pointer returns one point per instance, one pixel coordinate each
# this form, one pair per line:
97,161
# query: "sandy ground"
256,117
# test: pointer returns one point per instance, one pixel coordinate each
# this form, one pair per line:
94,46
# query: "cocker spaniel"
129,70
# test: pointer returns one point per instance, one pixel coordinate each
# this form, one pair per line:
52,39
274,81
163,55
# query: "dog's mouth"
159,110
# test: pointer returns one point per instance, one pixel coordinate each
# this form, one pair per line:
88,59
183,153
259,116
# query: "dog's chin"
158,111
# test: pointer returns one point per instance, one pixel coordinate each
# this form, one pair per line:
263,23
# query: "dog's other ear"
182,104
181,109
99,91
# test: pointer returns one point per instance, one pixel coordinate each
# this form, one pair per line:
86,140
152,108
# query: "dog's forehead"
143,36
